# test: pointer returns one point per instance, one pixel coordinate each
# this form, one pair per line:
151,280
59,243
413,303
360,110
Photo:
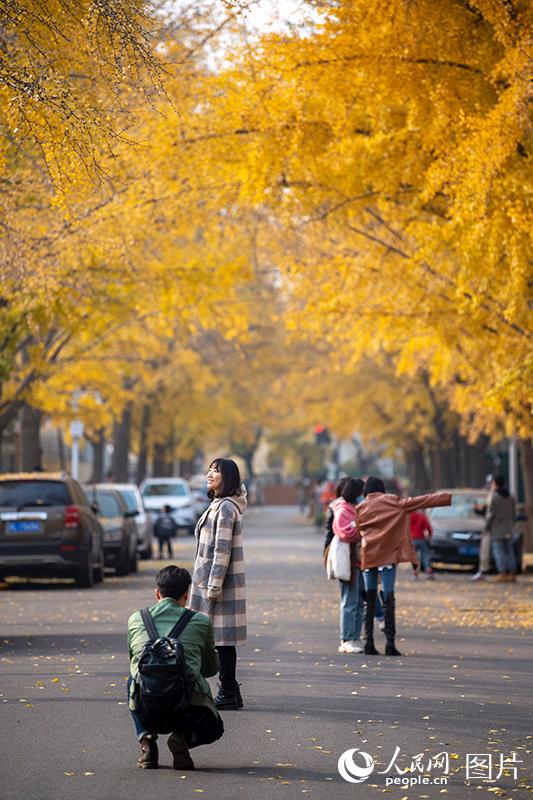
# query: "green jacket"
197,640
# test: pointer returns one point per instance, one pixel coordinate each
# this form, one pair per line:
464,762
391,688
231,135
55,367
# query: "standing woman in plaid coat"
218,586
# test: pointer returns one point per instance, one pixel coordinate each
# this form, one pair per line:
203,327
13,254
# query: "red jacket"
420,525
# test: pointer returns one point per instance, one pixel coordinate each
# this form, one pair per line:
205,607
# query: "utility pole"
513,466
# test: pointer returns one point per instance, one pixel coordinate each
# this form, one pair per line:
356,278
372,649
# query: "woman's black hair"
231,478
353,488
374,484
501,485
340,486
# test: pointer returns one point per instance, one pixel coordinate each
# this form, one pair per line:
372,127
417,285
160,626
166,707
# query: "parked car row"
50,525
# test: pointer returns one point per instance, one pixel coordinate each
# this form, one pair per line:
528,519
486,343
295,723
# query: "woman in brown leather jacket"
383,522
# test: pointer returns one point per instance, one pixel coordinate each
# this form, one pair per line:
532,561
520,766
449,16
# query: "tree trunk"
121,444
526,451
98,445
419,481
142,461
160,464
30,455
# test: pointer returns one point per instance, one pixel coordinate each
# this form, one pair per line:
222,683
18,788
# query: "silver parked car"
143,520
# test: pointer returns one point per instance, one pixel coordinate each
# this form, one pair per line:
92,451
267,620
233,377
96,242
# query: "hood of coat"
335,503
241,501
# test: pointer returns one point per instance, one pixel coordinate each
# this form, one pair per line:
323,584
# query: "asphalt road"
462,688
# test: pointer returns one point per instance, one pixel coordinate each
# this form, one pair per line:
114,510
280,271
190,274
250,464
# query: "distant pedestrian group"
372,529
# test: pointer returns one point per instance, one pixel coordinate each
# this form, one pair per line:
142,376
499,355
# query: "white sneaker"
381,624
479,576
351,647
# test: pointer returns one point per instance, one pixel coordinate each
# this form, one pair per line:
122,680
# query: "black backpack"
163,688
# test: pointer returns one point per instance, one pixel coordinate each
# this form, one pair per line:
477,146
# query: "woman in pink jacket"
351,607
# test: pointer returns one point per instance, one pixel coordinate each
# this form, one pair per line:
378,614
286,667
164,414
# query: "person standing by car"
383,522
165,529
421,531
351,606
499,520
218,582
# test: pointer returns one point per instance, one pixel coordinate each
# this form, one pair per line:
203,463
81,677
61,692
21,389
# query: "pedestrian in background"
218,582
328,525
351,603
383,522
499,521
421,532
165,529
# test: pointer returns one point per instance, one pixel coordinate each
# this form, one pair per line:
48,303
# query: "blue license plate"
26,526
468,550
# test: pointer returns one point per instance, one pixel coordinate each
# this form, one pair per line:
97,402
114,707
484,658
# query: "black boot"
389,609
370,596
229,697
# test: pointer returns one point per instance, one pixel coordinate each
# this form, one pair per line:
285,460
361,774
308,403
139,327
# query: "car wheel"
84,576
123,563
98,572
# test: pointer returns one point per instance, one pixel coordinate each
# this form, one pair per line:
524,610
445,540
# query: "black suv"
48,528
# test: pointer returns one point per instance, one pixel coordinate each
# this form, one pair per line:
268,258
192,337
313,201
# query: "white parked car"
173,492
143,519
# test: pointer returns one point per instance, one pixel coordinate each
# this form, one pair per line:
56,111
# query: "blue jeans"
502,550
351,611
388,577
423,551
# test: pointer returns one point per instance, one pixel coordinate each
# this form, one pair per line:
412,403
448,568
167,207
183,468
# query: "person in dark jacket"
165,529
499,521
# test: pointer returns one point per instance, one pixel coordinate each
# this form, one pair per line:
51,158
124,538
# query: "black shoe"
390,649
149,756
370,648
229,698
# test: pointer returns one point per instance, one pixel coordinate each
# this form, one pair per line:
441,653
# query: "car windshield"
130,498
164,489
463,505
108,505
33,493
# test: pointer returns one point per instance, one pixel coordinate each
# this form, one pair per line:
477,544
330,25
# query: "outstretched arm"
425,501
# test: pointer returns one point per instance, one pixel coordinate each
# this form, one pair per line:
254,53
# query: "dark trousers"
227,656
162,542
197,724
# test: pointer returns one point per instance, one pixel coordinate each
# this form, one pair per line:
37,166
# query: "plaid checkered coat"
218,586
